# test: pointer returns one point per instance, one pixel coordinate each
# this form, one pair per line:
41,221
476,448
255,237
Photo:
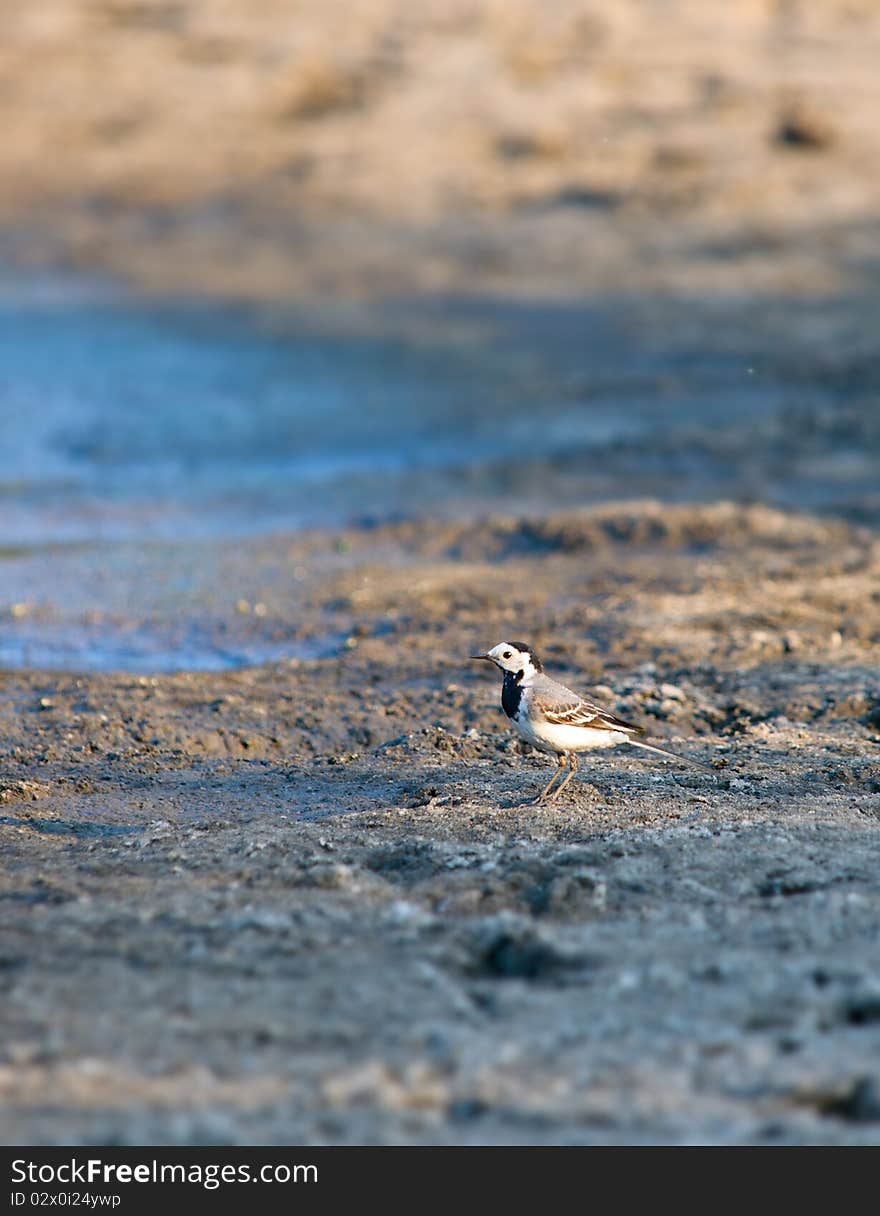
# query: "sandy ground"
310,902
263,149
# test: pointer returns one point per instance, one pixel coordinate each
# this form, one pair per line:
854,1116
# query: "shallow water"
128,422
62,644
142,445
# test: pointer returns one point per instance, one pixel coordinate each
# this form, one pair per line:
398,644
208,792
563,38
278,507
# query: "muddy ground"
310,902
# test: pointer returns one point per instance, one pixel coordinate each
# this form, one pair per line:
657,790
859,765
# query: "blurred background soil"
269,148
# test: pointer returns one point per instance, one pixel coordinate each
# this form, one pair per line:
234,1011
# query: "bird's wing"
563,707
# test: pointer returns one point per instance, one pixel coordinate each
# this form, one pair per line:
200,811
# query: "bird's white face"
510,657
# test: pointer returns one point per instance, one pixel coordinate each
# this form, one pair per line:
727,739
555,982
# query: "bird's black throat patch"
511,693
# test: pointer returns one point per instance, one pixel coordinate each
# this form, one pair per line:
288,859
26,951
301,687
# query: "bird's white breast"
550,737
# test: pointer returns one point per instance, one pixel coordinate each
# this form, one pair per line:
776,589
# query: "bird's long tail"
662,751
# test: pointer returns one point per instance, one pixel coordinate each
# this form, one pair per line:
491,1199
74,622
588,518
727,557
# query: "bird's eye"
506,654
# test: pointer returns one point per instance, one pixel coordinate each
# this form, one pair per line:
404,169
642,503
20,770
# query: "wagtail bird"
556,720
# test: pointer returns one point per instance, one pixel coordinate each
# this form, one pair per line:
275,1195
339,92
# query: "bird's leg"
573,768
560,763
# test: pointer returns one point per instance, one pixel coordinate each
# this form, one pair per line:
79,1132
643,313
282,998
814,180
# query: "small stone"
859,1103
405,912
804,130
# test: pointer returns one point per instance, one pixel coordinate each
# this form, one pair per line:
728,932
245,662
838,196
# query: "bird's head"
515,657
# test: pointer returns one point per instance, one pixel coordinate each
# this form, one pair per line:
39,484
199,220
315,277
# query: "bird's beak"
487,657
